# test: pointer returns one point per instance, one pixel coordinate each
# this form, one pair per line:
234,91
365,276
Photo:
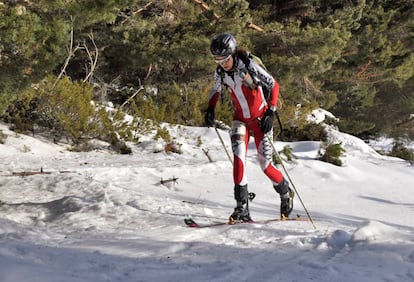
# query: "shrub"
332,153
287,151
314,132
63,108
163,133
296,126
400,151
22,113
60,105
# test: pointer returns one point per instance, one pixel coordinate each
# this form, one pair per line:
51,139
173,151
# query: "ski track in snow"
104,217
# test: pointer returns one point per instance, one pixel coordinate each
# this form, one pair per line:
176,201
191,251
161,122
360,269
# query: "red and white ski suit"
249,106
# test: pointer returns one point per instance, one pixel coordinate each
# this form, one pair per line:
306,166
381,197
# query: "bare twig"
310,87
29,173
130,98
92,58
148,72
174,180
254,27
207,154
71,52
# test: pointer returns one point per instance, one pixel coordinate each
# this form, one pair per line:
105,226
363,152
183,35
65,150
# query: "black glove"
209,116
266,123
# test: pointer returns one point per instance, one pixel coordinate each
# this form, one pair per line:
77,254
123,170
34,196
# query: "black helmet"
223,45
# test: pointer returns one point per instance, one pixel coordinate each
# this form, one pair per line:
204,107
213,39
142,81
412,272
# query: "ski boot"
241,211
240,214
286,198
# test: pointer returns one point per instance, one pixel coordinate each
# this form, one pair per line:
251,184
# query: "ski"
193,224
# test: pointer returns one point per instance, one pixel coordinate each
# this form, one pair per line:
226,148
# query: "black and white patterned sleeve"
217,85
262,77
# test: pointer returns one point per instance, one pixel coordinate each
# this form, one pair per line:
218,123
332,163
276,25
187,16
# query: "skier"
254,94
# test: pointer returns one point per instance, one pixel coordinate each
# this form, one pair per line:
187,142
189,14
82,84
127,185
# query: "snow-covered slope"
98,216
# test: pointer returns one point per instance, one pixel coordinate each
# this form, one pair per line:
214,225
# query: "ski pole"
290,180
222,143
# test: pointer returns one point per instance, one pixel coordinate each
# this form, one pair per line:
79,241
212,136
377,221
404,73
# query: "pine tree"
30,47
378,57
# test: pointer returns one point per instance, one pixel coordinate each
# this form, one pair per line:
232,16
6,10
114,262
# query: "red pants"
240,136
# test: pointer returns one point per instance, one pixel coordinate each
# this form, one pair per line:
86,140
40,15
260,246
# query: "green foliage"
29,48
296,126
374,64
287,151
399,150
60,105
353,58
69,105
112,128
35,36
199,141
300,56
331,153
22,112
64,108
314,132
357,127
162,43
177,104
395,106
163,133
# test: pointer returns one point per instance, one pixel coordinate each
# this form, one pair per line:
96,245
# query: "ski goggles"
222,61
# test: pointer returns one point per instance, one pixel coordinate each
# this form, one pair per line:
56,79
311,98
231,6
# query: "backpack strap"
221,72
246,58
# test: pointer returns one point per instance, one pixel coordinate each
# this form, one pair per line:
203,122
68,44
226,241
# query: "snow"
99,216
